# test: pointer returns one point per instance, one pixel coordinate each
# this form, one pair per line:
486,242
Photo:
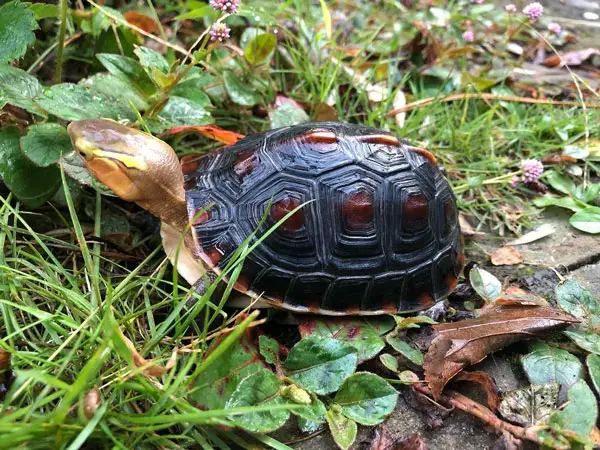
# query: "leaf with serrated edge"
581,411
19,88
547,364
17,23
45,143
129,70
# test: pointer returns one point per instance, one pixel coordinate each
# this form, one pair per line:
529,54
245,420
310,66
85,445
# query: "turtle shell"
377,232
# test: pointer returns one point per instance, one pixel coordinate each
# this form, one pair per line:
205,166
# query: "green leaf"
31,184
128,69
366,398
547,364
287,114
576,300
343,430
561,202
269,348
197,13
587,341
239,92
411,353
320,364
581,411
363,334
591,193
44,10
17,23
76,169
260,388
587,220
485,284
192,88
19,88
389,361
75,102
593,365
412,322
108,84
150,59
315,413
179,111
45,143
260,48
560,182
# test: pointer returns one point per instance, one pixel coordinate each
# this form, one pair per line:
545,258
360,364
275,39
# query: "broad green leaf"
362,334
45,143
109,84
485,284
192,89
287,114
269,348
17,23
179,111
240,92
561,202
260,48
76,169
389,361
150,59
587,220
315,413
576,300
31,184
560,182
44,10
581,411
593,365
320,364
259,388
366,398
410,352
18,88
307,426
590,193
129,70
547,364
530,405
412,322
343,430
75,102
197,13
587,341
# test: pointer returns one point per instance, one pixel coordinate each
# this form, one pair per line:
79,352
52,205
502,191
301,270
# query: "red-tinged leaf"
574,58
459,344
210,131
486,382
141,20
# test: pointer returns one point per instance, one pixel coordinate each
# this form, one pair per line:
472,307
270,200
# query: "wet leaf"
107,84
141,20
576,300
320,364
548,364
17,24
31,184
343,430
18,88
316,412
560,182
209,131
389,361
286,112
534,235
403,323
587,220
239,92
322,112
459,344
269,348
587,341
487,384
179,112
362,334
593,365
74,166
530,405
366,398
45,143
259,388
506,256
485,284
128,69
561,202
407,350
581,411
260,48
44,11
150,59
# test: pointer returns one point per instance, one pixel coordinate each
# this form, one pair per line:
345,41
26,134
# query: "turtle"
344,219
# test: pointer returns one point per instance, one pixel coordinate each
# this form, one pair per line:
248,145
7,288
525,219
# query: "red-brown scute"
284,206
358,210
415,211
245,164
425,154
381,139
200,216
320,137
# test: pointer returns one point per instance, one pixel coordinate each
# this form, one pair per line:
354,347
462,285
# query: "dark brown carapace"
375,227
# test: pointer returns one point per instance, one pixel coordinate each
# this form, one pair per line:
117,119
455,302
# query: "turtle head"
137,166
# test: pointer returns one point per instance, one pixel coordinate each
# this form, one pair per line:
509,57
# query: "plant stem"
62,31
497,180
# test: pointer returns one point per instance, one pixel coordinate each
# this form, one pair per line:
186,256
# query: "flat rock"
589,277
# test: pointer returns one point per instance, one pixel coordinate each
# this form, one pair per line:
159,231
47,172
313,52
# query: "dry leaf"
534,235
506,256
574,58
530,405
486,382
512,295
322,112
383,439
210,131
91,402
140,20
150,367
465,227
459,344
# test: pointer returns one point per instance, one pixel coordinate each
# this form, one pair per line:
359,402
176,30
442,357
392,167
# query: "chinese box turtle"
374,231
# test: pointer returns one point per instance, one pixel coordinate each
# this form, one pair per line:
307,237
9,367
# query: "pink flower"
219,32
227,6
554,28
511,8
534,11
477,2
532,170
514,182
468,36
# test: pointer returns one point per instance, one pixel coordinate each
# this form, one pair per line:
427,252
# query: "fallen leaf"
91,402
486,382
534,235
140,20
487,286
506,256
459,344
383,439
530,405
574,58
150,367
513,295
466,229
210,131
322,112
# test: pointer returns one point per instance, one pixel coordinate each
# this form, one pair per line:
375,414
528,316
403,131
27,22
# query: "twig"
487,96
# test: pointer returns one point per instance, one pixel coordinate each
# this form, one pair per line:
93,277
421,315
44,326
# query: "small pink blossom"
514,182
532,170
227,6
219,32
468,36
534,11
554,28
511,8
477,2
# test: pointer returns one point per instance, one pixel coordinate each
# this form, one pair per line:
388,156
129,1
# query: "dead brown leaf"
140,20
324,113
383,439
486,382
460,344
574,58
506,256
91,402
466,229
150,367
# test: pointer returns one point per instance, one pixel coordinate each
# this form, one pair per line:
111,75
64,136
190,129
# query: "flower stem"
497,180
62,31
